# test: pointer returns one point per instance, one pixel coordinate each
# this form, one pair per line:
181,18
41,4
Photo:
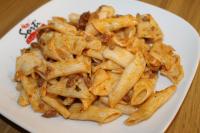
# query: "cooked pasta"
97,66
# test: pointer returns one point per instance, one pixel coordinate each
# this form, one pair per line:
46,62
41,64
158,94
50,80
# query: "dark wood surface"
187,119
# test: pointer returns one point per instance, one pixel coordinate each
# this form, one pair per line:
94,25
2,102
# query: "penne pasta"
90,97
19,86
43,88
93,113
61,47
30,89
58,106
44,37
87,101
61,89
129,77
68,101
99,77
104,100
125,37
74,43
105,11
27,62
90,29
138,45
104,88
126,109
61,25
74,18
169,60
148,28
93,43
143,89
49,50
56,48
101,13
163,53
175,73
23,98
62,68
147,109
109,65
118,55
94,54
108,25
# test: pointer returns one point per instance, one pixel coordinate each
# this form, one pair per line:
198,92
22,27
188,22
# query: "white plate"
178,33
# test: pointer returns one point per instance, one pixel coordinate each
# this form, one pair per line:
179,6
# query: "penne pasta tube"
142,90
100,104
57,106
43,89
94,54
27,62
90,29
117,71
93,43
62,47
29,85
19,86
74,18
86,102
124,38
102,13
68,101
148,108
61,89
93,113
104,100
118,55
100,89
164,54
172,67
49,50
99,76
175,73
138,45
61,25
62,68
106,87
105,11
110,65
23,98
32,91
87,61
44,37
148,28
78,46
126,108
108,25
129,77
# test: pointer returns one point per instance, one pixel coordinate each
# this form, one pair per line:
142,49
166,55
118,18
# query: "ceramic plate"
177,32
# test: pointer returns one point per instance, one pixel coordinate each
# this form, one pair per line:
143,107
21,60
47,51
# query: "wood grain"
188,118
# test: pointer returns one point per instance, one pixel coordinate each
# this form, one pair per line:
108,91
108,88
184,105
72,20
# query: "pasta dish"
97,66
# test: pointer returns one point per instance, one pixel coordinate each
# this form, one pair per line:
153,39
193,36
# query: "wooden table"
188,118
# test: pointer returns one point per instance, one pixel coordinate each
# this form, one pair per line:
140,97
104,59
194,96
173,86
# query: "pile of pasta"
97,66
